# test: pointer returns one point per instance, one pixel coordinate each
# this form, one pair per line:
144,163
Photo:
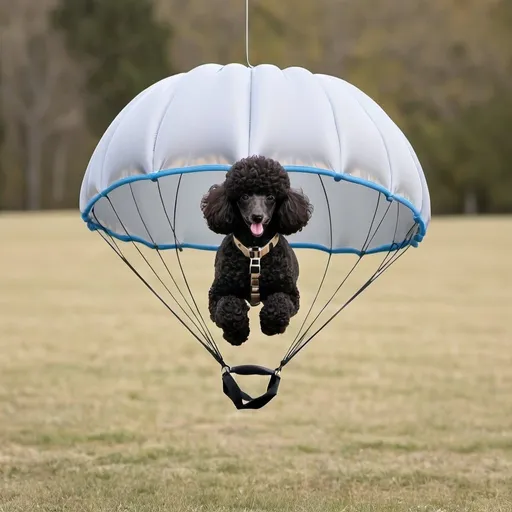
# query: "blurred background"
442,69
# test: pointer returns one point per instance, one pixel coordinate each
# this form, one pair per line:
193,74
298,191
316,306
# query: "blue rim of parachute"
154,176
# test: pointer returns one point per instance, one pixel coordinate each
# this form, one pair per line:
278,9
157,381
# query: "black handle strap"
241,399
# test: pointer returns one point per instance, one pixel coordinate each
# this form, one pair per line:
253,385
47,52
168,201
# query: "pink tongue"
257,229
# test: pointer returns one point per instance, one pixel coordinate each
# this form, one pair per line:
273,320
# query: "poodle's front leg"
231,314
276,312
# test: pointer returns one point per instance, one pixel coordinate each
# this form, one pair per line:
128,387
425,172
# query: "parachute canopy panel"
180,136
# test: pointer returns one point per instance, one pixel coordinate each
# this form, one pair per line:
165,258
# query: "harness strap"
255,254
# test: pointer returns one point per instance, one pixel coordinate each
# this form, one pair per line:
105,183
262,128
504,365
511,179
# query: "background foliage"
441,68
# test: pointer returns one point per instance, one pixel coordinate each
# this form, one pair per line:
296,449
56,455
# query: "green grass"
404,403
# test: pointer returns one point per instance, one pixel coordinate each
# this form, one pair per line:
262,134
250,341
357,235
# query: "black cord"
199,327
395,250
212,347
373,278
297,342
326,270
181,266
156,274
113,245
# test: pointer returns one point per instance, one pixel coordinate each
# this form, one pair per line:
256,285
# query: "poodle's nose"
257,218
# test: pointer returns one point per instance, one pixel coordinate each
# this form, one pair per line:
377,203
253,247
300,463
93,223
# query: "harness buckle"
255,271
255,266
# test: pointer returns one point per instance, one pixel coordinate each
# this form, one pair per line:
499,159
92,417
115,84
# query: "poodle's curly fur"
230,291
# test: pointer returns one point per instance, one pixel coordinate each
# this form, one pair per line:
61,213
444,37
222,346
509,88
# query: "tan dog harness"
255,254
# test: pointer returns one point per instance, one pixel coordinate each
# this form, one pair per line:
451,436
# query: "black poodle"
254,207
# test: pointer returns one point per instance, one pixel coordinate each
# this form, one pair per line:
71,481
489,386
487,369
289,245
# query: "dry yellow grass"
403,403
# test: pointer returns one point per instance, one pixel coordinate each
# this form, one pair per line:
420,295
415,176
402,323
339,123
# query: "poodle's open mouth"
257,228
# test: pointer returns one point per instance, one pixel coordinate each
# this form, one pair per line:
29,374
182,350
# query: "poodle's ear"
294,212
217,210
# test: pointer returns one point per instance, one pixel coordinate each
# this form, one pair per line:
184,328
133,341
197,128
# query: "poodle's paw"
231,317
275,314
236,336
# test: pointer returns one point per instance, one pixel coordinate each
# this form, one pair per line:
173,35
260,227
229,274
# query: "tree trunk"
470,203
34,155
59,171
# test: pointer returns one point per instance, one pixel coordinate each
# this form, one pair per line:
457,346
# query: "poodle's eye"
270,198
245,197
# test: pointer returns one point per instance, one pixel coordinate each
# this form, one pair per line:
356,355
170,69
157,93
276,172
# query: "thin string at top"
247,33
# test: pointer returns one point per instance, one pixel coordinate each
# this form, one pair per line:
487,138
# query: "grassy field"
403,403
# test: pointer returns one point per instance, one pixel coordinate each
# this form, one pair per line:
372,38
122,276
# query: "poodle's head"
256,199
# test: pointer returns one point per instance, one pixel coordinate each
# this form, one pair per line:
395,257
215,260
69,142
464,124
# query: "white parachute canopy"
177,138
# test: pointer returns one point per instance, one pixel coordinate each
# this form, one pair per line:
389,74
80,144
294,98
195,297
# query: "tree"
38,91
440,68
441,86
2,175
122,47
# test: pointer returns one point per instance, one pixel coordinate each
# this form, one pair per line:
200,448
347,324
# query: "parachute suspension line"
247,33
113,245
297,341
201,328
181,266
326,270
301,343
382,268
211,348
167,215
206,332
384,265
156,274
